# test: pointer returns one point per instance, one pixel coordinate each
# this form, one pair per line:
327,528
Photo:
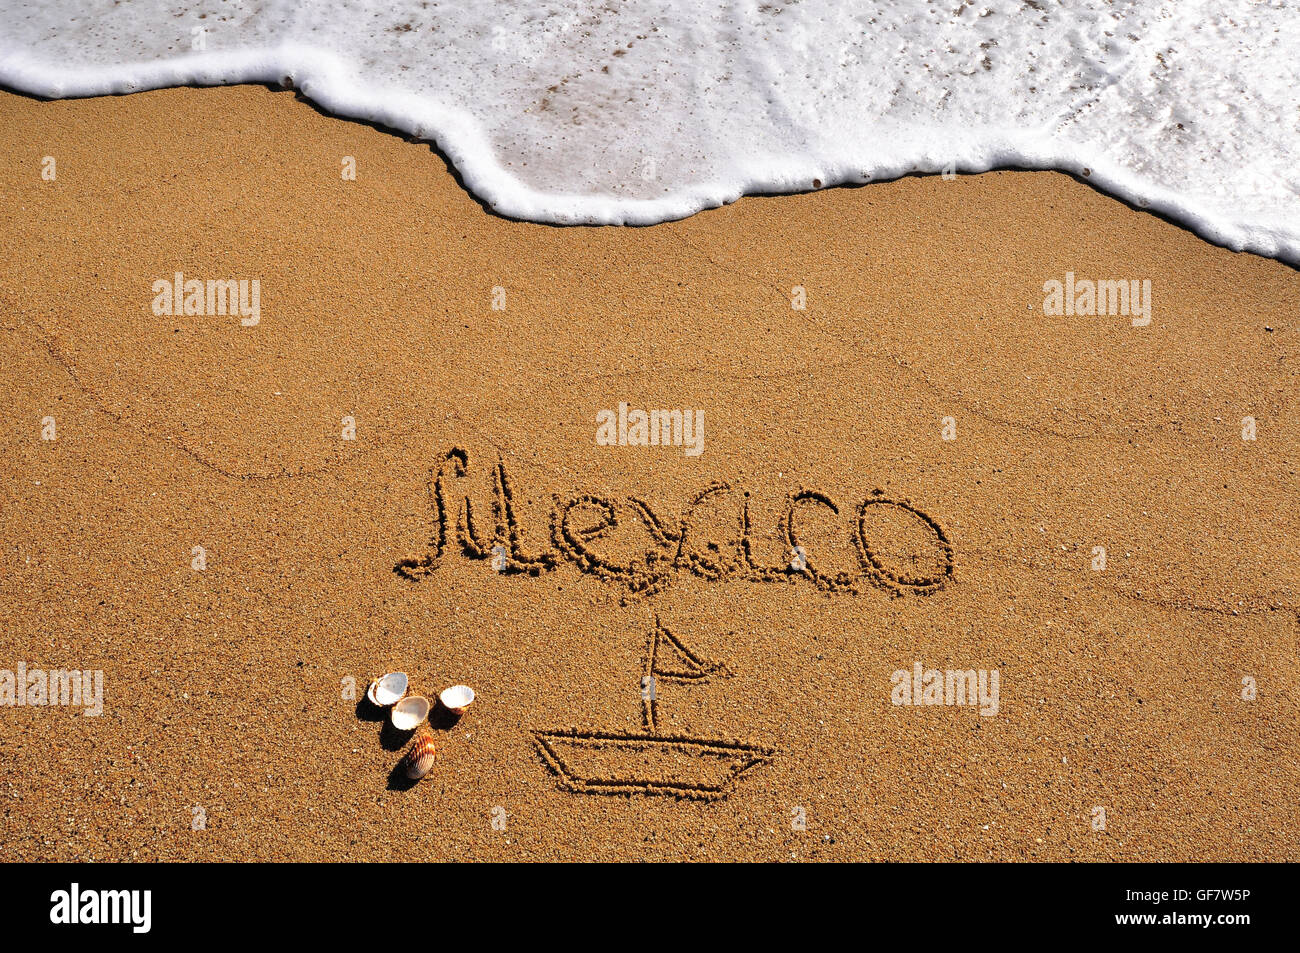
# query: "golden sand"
229,730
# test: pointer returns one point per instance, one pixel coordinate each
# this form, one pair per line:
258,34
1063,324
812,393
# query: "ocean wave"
650,110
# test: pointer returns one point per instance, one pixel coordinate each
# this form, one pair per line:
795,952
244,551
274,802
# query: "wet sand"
230,698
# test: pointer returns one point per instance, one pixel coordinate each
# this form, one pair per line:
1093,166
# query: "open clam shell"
410,712
418,760
388,689
457,699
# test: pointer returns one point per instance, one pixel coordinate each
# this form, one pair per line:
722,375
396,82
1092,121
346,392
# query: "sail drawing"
589,761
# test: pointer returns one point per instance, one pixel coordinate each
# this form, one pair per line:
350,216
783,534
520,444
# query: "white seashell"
409,712
388,690
419,760
457,699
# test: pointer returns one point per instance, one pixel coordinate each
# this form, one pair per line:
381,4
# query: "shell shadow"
443,719
392,738
397,779
369,711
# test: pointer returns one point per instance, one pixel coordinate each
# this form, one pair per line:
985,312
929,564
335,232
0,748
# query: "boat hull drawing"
611,762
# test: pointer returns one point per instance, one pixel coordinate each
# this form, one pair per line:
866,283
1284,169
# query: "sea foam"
647,110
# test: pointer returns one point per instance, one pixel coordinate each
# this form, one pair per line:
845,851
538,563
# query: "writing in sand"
898,547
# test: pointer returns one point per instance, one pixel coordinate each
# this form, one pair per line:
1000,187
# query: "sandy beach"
240,523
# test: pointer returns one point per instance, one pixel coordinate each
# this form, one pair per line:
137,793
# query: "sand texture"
772,734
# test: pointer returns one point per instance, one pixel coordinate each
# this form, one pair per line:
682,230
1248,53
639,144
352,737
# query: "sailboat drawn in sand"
649,761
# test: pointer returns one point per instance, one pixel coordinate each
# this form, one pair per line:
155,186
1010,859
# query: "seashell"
457,699
409,712
388,690
419,758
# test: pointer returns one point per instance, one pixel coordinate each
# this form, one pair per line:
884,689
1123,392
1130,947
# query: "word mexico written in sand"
899,548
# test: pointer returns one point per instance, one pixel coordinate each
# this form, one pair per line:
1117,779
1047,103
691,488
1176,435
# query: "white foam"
648,110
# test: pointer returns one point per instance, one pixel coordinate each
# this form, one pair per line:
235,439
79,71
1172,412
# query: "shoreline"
316,77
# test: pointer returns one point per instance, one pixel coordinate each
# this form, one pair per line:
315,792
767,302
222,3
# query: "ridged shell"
420,758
